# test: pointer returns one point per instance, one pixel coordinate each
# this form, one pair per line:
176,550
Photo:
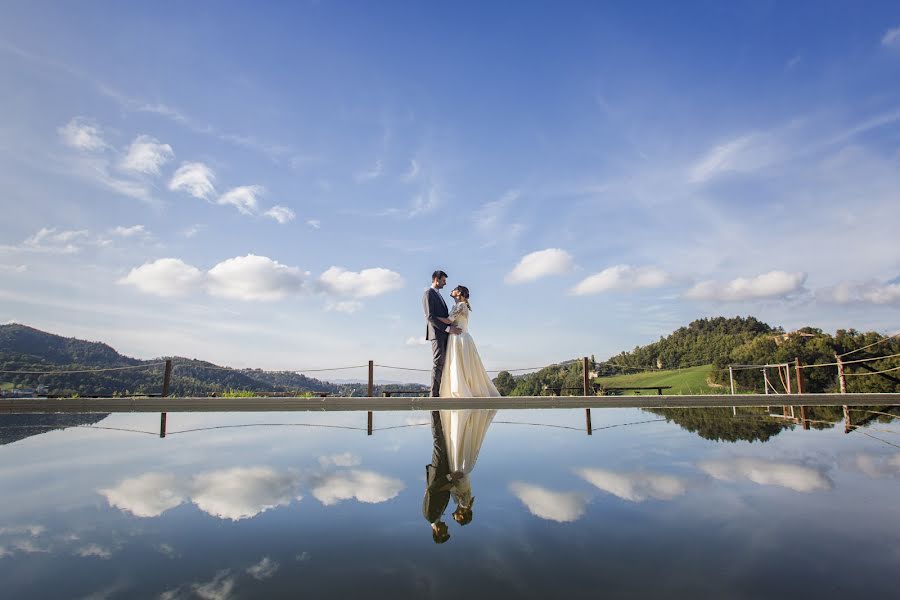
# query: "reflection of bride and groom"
457,372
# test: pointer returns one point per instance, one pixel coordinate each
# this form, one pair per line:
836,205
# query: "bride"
464,375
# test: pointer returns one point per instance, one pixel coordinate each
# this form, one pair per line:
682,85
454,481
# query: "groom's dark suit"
437,488
434,306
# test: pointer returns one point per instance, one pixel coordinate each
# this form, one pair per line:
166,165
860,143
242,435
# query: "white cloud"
552,261
365,486
314,223
244,198
866,292
248,277
243,492
891,37
799,478
562,507
234,494
146,155
49,240
127,232
254,277
344,459
282,214
774,284
165,277
220,588
347,307
83,134
148,495
621,277
366,283
264,569
635,487
14,268
417,341
194,178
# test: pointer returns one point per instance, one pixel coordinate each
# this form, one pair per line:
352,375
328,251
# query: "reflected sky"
238,505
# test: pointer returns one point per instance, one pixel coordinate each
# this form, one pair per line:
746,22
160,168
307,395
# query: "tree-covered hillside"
724,341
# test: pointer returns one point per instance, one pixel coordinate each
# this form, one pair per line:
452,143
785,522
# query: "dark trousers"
438,352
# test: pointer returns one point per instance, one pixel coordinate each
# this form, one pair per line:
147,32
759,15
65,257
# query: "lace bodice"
459,314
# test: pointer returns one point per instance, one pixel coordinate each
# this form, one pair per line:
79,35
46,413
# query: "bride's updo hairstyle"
464,292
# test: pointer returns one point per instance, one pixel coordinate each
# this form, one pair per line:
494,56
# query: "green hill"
693,380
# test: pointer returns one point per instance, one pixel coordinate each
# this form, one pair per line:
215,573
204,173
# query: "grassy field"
683,381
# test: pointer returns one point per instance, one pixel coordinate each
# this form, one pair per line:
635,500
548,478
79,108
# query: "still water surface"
696,502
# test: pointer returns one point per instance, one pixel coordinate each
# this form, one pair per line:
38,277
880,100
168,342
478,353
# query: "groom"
438,333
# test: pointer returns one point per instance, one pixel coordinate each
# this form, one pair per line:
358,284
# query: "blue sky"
272,187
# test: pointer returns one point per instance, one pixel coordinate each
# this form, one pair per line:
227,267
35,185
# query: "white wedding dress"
464,375
464,432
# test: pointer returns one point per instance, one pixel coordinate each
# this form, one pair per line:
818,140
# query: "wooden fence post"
841,378
587,377
371,378
731,378
799,379
167,378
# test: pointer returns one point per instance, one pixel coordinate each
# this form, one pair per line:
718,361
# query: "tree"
505,383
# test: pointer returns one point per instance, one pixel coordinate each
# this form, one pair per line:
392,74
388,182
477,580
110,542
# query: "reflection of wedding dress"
464,375
464,432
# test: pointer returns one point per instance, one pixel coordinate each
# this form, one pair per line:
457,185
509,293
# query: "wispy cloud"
82,134
196,179
146,155
129,232
244,198
282,214
264,569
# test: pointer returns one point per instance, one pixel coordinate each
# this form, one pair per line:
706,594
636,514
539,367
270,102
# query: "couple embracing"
457,372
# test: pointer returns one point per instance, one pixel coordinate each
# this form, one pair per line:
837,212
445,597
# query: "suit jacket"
434,306
436,499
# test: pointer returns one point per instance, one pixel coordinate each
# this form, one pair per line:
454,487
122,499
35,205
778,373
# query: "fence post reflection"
162,425
369,427
587,421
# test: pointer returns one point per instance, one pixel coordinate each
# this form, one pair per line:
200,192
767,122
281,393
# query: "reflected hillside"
756,424
14,428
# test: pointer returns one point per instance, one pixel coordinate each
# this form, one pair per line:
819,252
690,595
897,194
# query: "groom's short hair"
438,275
